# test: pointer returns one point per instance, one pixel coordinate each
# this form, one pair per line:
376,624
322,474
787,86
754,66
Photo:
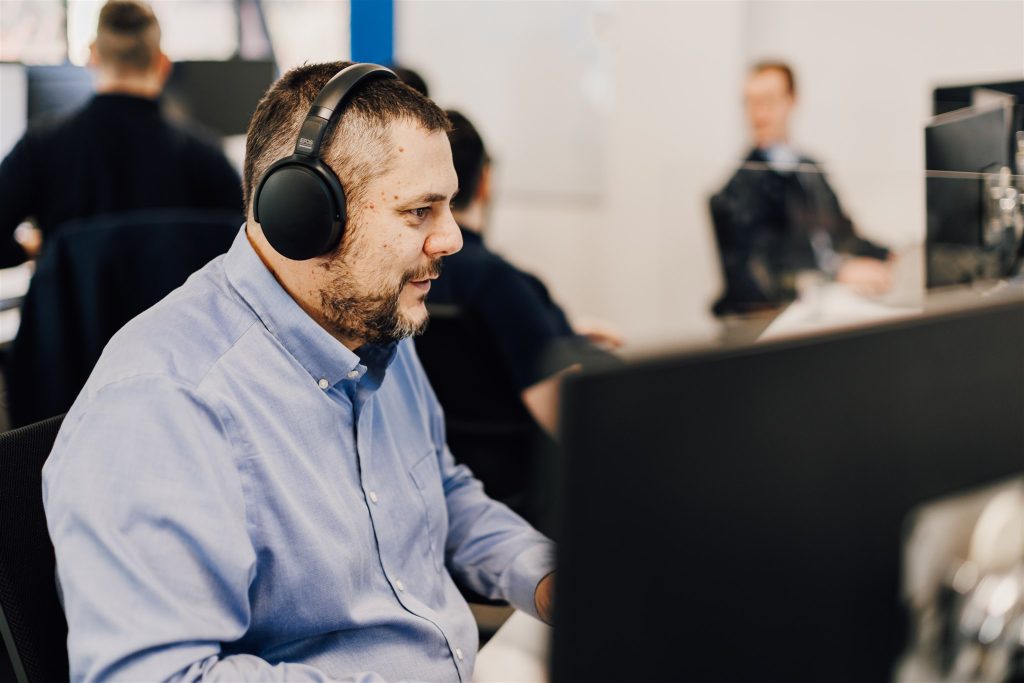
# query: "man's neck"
136,87
260,246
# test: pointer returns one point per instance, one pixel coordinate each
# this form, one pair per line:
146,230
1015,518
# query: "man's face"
769,105
374,288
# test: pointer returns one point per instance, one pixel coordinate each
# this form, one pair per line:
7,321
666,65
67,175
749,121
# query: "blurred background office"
609,124
612,122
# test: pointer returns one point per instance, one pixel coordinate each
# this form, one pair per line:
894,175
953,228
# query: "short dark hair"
411,78
127,35
369,111
777,65
469,155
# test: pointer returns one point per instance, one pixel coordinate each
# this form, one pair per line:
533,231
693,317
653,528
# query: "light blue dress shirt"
237,496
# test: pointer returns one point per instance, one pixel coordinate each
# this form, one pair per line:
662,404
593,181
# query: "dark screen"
55,91
738,516
220,96
968,141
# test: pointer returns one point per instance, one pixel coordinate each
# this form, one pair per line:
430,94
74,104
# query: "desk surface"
13,286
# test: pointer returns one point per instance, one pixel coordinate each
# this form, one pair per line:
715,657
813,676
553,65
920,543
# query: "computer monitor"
951,98
958,146
13,105
55,91
220,96
738,515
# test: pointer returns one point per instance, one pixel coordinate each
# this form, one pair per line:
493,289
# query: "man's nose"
446,239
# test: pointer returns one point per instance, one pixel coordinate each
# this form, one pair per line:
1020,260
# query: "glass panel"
190,29
32,31
307,31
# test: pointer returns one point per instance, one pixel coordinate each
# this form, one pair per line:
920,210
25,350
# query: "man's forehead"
420,165
768,80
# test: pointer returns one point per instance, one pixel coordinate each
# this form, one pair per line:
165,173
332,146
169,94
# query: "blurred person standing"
118,153
777,216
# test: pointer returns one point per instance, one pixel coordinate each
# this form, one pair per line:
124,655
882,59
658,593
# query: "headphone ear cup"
299,212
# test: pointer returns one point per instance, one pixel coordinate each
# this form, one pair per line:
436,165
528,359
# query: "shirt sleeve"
489,548
146,512
525,322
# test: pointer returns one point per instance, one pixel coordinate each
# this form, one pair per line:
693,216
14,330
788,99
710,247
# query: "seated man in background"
118,153
524,340
254,483
778,216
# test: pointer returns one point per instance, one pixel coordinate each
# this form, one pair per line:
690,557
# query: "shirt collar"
327,360
782,157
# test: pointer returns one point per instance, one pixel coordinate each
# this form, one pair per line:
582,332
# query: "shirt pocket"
427,477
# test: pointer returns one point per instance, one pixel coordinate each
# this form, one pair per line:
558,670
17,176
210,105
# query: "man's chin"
415,318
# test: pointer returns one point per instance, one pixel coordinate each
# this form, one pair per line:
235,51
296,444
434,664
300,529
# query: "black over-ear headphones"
300,203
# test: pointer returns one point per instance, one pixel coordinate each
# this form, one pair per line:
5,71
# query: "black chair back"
94,276
31,618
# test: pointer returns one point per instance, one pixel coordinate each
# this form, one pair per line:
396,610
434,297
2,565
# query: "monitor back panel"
737,516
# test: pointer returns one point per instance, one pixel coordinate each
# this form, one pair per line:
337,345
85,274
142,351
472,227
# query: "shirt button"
373,496
353,374
323,384
399,585
458,653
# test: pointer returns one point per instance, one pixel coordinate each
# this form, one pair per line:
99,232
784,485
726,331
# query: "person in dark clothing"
116,154
497,348
777,216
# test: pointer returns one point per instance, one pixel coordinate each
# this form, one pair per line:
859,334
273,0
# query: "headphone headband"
331,99
299,202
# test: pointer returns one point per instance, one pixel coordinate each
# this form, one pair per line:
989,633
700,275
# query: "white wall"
612,122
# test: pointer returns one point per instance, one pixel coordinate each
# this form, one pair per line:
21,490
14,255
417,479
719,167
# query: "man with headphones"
254,483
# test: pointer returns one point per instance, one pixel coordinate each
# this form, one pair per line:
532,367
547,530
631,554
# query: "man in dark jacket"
116,154
778,217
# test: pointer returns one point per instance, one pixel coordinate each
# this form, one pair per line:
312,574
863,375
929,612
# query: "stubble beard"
373,316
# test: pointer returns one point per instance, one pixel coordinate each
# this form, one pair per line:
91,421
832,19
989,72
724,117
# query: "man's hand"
30,238
600,333
544,597
866,276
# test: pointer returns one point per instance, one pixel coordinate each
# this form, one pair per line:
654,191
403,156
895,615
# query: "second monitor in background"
219,96
973,210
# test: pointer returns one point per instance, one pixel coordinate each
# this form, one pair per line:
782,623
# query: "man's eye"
421,212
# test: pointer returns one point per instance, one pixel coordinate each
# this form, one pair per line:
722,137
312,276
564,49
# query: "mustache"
432,269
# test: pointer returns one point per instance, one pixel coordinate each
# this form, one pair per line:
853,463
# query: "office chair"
94,276
31,619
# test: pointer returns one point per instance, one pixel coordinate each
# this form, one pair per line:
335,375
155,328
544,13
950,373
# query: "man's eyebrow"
428,198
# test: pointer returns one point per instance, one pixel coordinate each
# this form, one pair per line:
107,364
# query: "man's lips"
422,285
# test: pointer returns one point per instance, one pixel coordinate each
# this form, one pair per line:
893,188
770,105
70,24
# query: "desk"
518,651
13,286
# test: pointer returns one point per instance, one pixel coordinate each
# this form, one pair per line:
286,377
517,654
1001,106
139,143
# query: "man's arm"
146,512
526,325
542,400
489,548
